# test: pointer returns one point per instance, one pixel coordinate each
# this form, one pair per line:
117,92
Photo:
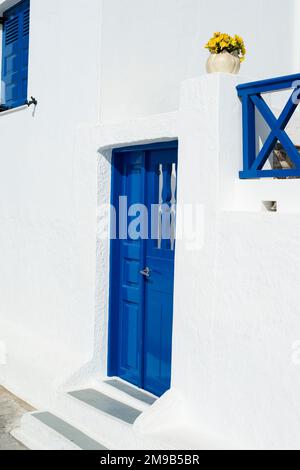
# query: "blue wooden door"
142,266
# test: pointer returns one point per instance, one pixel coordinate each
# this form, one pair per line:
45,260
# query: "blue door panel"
131,270
158,344
126,265
162,275
129,334
130,294
162,166
141,308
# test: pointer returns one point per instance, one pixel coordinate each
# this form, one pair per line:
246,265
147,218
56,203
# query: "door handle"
145,272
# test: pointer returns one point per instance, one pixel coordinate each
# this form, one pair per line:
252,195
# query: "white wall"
236,305
237,315
236,311
48,195
151,46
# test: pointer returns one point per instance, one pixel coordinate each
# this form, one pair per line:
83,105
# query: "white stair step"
71,433
45,431
107,405
104,424
131,391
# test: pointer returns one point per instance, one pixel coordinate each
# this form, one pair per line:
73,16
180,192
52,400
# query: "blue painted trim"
172,144
21,43
271,84
143,297
252,174
249,138
16,6
112,360
112,320
277,126
250,94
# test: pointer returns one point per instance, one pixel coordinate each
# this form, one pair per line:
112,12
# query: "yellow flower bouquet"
224,42
227,53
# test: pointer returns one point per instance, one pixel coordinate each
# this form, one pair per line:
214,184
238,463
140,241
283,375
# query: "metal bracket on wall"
33,101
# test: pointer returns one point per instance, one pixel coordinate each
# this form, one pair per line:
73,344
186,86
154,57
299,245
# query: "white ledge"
160,127
14,110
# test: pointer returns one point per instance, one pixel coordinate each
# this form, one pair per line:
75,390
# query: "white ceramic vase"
223,62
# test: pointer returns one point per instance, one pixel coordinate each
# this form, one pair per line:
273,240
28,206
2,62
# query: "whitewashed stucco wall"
48,194
236,314
150,47
236,307
235,298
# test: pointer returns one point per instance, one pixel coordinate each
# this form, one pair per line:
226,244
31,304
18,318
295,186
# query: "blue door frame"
141,307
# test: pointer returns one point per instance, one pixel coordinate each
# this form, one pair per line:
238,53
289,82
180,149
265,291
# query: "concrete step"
124,392
106,419
105,413
107,405
46,431
141,398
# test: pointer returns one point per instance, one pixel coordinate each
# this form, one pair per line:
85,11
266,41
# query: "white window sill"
14,110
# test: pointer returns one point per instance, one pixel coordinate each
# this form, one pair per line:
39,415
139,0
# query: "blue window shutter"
15,55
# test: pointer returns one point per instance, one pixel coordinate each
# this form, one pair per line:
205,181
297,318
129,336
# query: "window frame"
22,99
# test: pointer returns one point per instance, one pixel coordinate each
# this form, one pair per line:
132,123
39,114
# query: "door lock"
145,272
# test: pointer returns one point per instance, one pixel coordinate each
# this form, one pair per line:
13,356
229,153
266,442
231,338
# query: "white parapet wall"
237,314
